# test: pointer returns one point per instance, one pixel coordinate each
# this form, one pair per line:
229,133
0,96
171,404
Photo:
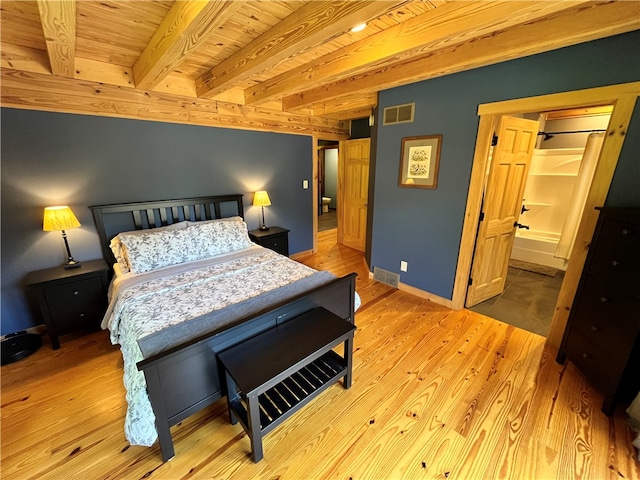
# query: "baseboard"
297,256
38,329
445,302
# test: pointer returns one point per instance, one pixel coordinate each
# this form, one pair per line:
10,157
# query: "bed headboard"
122,217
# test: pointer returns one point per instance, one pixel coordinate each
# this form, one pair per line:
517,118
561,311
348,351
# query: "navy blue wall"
77,160
424,227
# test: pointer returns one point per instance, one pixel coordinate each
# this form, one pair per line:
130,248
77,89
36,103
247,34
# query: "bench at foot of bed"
274,374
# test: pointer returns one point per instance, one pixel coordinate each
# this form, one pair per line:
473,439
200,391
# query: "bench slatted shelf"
274,374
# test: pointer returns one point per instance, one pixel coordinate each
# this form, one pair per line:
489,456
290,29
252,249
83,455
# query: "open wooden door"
354,169
501,207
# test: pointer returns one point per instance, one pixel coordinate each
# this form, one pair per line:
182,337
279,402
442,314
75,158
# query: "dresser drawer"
607,314
621,231
617,263
601,368
62,295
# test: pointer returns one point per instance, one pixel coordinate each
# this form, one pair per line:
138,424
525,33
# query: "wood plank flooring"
437,394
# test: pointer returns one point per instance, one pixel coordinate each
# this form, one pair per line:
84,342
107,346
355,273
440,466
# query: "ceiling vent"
398,114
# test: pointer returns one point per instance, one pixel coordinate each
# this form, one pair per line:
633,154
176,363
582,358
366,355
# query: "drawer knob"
604,299
76,292
586,356
81,315
625,231
615,263
595,328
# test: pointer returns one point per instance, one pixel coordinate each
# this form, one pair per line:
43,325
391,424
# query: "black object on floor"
19,345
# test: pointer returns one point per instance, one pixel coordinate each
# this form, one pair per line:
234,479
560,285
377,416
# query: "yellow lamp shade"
59,218
261,199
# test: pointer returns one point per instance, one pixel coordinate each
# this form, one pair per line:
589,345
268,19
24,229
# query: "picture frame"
419,161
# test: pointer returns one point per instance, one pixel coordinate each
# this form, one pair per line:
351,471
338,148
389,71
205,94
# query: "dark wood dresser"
602,337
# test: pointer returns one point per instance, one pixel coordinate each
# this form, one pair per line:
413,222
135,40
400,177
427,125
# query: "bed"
188,284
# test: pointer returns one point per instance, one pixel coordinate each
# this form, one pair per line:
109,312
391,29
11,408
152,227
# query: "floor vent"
384,276
398,114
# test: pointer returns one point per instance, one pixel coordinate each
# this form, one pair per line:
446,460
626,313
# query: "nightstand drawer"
75,292
85,315
277,243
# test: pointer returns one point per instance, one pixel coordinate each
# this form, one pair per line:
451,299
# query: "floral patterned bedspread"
149,303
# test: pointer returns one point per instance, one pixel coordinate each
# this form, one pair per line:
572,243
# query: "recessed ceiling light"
359,28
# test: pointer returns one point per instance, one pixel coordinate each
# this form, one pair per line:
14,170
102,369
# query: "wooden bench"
274,374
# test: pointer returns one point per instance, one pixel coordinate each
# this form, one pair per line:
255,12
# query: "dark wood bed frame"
188,377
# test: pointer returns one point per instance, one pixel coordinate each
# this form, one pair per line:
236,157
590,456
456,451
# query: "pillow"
226,219
150,249
116,246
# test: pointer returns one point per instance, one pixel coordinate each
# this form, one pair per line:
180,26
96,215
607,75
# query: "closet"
562,167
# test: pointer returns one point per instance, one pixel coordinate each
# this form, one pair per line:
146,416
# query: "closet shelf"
553,174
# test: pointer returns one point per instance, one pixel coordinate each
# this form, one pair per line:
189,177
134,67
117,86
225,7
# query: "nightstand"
72,299
276,238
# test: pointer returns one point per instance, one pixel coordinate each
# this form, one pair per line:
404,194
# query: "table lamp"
261,199
60,219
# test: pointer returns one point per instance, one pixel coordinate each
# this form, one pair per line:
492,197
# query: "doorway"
623,98
561,171
327,201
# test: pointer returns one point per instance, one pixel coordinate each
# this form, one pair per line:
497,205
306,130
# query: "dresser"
602,337
69,300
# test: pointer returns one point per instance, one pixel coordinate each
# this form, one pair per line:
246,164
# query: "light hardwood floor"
436,394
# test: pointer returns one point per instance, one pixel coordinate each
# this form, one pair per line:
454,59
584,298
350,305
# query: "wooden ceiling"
289,65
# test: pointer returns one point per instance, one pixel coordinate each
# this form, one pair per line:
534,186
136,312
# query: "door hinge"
470,281
481,216
494,141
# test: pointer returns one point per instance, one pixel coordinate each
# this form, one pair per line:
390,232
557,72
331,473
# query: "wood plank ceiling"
292,66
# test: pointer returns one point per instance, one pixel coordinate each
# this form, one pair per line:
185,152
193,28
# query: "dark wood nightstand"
276,238
72,299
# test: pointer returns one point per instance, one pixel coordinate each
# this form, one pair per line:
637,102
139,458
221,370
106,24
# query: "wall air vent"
384,276
398,114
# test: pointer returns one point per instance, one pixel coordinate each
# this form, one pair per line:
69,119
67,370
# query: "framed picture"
419,161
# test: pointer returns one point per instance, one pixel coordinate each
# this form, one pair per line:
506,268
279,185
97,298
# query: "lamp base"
264,228
72,264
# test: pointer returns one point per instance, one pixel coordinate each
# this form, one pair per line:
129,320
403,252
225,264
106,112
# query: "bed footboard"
187,378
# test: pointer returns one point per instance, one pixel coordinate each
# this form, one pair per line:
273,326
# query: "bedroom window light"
261,199
58,219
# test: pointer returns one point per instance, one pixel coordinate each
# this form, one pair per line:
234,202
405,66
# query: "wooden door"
501,207
352,218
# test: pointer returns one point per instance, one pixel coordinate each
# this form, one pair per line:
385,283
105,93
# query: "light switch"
305,184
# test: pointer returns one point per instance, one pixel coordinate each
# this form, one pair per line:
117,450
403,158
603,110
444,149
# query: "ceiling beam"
570,27
345,104
449,24
34,91
316,22
58,19
185,28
